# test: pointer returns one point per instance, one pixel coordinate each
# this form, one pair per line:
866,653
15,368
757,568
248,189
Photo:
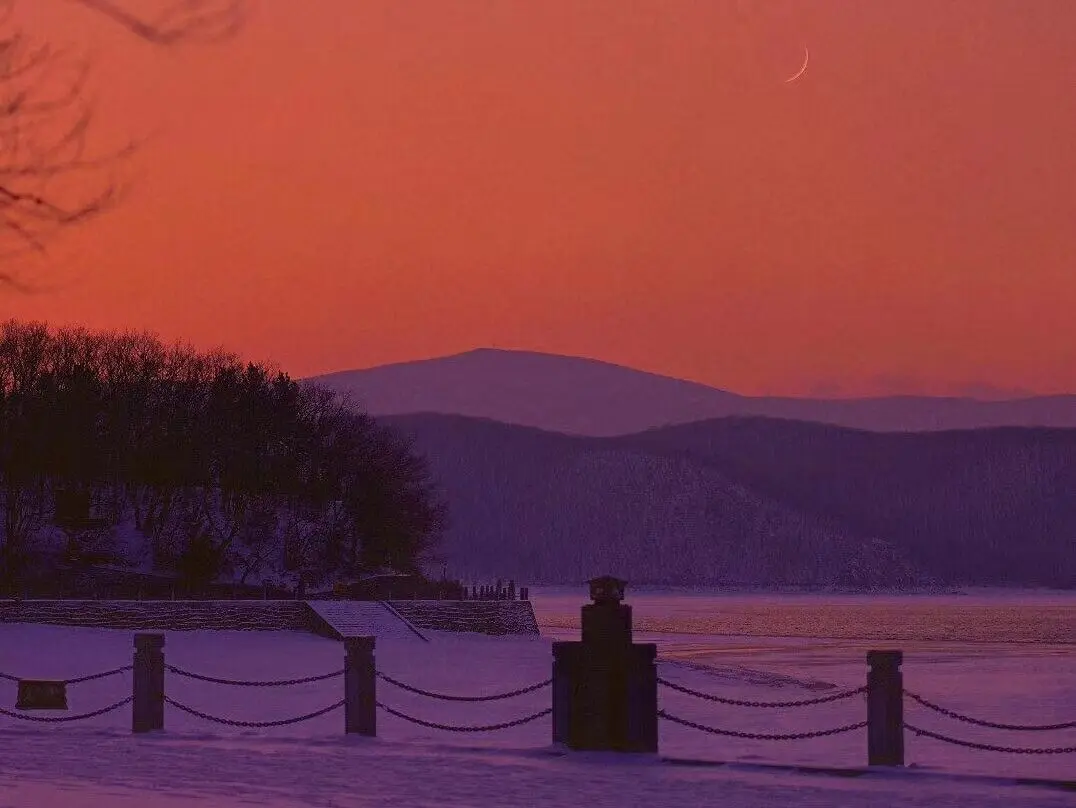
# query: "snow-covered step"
364,618
497,617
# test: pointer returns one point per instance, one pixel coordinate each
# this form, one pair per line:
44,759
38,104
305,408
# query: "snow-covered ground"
99,762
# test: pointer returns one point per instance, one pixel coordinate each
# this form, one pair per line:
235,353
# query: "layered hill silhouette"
756,502
588,397
990,506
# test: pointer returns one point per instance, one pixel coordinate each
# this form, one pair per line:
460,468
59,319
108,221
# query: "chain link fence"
65,719
991,724
454,728
178,705
468,699
77,680
186,674
62,719
1012,750
918,731
847,694
966,719
253,683
761,736
446,697
662,714
231,722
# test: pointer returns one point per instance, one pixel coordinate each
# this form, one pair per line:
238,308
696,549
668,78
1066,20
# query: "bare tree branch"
50,177
180,21
45,118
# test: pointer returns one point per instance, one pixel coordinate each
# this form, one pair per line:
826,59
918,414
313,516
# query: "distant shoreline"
718,591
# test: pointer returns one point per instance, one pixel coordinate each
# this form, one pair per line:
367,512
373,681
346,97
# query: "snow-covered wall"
478,617
163,615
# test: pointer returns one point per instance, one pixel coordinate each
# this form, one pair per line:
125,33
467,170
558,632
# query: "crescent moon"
803,69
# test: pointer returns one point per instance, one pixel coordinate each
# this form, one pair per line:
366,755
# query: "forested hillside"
757,501
545,507
116,448
991,506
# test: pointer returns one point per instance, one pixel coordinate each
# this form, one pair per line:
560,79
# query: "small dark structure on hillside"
498,591
402,586
72,511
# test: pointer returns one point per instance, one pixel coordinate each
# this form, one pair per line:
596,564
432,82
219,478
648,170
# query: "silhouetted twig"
50,178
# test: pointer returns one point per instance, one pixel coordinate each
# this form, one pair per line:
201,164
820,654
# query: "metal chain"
450,728
734,702
65,718
241,683
991,724
234,723
90,678
445,697
1013,750
759,736
104,675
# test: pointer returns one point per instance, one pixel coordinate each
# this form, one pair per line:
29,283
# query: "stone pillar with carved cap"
605,687
885,708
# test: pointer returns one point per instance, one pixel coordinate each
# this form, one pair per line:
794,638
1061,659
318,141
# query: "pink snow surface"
98,762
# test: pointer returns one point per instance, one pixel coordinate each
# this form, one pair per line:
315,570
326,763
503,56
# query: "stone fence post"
360,687
567,672
147,713
885,709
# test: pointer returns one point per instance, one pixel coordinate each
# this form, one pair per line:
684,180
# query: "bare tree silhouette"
180,21
49,178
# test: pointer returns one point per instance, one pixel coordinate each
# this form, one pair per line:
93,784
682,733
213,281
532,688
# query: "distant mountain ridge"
589,397
756,502
559,468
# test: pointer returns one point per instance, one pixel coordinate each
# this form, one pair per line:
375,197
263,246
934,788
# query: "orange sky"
352,183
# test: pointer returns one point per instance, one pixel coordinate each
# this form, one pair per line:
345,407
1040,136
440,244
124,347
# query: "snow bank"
312,763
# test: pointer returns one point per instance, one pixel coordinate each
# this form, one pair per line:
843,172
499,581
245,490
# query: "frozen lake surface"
1007,616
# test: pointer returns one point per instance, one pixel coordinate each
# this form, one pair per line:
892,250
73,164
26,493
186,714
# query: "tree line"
115,447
